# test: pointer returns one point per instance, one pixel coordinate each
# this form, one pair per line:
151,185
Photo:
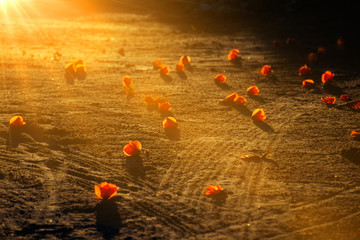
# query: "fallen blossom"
329,100
180,67
213,190
344,97
128,86
304,70
321,50
356,105
164,70
327,77
127,81
17,121
266,70
312,57
133,148
164,107
252,90
170,123
340,42
355,134
185,60
308,83
157,63
258,115
105,190
240,101
230,98
220,78
233,54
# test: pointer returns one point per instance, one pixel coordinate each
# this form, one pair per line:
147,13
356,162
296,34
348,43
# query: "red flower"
185,60
266,70
340,42
233,54
164,70
132,149
240,100
220,78
252,90
327,77
329,100
312,57
258,115
105,190
170,123
308,83
127,81
277,43
180,67
164,107
157,63
213,190
17,121
344,97
355,134
321,50
304,70
230,98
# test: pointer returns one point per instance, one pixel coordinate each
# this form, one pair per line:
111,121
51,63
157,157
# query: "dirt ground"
307,188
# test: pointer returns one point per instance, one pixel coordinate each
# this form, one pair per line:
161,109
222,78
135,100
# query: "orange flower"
344,97
180,67
157,63
17,121
220,78
240,100
252,90
308,83
170,123
70,68
340,42
355,134
185,60
327,77
233,54
356,105
105,190
304,70
213,190
164,70
230,98
164,107
127,81
266,70
258,115
132,149
321,50
329,100
80,71
277,43
312,57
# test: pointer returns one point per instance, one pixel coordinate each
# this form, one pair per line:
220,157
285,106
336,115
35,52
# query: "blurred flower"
312,57
164,107
252,90
327,77
127,81
240,100
304,70
230,98
105,190
308,83
80,71
277,43
213,190
345,97
121,51
356,105
170,123
164,70
258,115
266,70
290,41
233,54
355,134
340,42
17,121
132,149
157,63
220,78
180,67
151,100
185,60
321,50
329,100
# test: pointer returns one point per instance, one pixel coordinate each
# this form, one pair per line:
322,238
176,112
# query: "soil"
307,188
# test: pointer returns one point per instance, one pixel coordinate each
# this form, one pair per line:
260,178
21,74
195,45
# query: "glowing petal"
220,78
17,121
304,70
180,67
240,100
308,83
252,90
266,70
258,115
164,107
213,190
185,60
355,134
132,149
170,123
157,63
344,97
327,77
164,70
329,100
105,190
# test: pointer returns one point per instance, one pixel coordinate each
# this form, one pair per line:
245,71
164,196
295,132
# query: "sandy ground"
305,189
